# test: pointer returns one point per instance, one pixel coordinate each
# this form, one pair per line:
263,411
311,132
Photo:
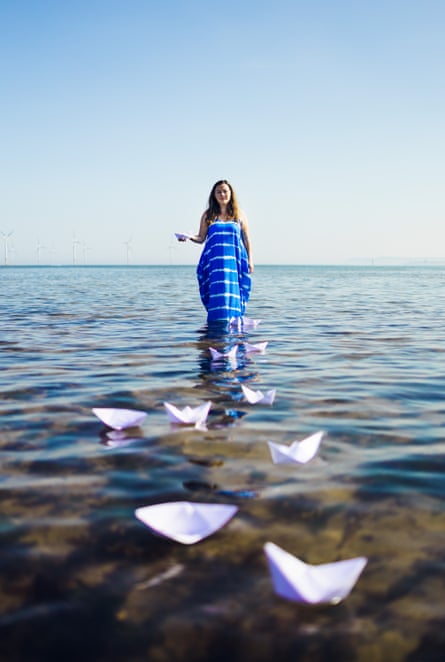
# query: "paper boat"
298,452
259,348
182,236
218,356
185,521
295,580
188,415
257,397
119,419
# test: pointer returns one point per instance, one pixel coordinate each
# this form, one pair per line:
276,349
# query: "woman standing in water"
226,262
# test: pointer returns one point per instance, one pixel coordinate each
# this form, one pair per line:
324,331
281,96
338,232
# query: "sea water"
355,352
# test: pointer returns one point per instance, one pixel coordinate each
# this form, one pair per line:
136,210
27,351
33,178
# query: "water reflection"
224,375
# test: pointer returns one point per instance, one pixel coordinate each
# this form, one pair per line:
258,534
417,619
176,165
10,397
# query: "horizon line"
376,262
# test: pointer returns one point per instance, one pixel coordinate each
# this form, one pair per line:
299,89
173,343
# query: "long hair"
213,209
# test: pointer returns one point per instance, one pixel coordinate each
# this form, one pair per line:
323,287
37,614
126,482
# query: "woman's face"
223,194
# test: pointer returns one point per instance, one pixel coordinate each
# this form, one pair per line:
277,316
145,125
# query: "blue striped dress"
223,272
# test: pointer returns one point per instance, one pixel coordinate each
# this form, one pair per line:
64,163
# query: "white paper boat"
259,348
258,397
185,521
182,236
188,415
218,356
298,452
295,580
119,419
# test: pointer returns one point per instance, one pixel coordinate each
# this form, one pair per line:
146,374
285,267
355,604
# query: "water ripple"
356,352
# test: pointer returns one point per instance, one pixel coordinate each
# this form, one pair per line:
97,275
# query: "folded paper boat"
119,419
186,522
188,415
313,584
298,452
216,355
258,397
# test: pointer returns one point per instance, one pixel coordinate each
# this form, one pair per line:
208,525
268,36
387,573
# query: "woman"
226,260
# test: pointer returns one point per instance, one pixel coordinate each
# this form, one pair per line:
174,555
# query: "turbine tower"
5,237
39,249
76,243
128,247
85,249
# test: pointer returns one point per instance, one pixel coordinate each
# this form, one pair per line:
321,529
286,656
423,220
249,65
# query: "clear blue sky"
117,116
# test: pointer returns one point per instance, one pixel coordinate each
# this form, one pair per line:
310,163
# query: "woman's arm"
246,239
202,234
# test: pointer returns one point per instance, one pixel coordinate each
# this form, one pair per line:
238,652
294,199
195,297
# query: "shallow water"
356,352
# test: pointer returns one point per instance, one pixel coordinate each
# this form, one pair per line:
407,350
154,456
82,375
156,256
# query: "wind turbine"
11,254
75,244
5,237
38,249
128,245
85,249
